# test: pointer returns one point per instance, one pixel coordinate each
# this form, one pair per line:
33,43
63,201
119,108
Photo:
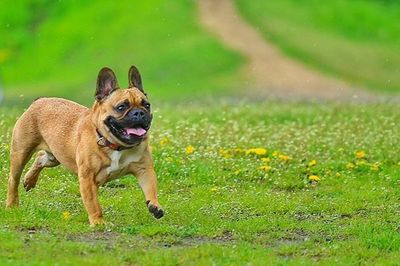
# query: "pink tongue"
135,131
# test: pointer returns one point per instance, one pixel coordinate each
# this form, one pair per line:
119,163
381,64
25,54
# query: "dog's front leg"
148,182
88,189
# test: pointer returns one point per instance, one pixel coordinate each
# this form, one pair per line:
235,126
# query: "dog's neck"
104,142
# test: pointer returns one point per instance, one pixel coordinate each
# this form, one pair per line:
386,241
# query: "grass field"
356,40
242,183
265,183
59,47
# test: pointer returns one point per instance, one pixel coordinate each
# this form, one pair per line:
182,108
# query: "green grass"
221,208
57,48
225,204
355,40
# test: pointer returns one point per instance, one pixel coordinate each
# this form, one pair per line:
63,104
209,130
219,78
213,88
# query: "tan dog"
98,144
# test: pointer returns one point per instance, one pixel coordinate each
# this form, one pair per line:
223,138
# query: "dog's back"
48,124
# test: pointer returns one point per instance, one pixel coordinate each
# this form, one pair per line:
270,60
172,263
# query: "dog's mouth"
138,132
129,134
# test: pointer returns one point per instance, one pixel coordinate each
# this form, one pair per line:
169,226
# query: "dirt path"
271,72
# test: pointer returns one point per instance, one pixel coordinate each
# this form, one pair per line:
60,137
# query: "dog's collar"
103,142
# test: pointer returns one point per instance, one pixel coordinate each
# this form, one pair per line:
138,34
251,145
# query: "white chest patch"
121,159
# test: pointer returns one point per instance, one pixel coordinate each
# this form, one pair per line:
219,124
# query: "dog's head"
122,116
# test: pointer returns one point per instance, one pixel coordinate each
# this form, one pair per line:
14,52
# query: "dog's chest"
121,159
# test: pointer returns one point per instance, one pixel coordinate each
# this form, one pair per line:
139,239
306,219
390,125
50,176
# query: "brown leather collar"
103,142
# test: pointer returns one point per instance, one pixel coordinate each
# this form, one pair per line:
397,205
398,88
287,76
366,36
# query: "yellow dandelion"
375,167
360,154
338,174
266,159
361,162
275,154
350,166
66,215
189,149
164,141
214,189
238,150
265,168
328,172
284,157
257,151
314,178
225,153
312,163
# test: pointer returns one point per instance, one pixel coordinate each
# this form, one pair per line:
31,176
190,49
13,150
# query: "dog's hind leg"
24,142
18,160
43,159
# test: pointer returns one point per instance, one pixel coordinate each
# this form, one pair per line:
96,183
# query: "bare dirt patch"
113,239
271,72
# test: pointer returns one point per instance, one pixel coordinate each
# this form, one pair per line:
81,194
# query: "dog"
98,144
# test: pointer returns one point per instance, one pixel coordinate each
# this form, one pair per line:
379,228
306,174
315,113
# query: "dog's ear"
134,78
106,83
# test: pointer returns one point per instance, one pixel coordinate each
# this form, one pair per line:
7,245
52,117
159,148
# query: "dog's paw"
94,222
157,211
12,203
28,185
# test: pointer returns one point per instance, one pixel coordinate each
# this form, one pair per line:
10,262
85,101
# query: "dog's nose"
138,114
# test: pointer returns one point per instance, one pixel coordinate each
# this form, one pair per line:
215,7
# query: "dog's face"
123,116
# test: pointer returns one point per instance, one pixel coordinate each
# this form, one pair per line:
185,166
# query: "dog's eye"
146,105
122,107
